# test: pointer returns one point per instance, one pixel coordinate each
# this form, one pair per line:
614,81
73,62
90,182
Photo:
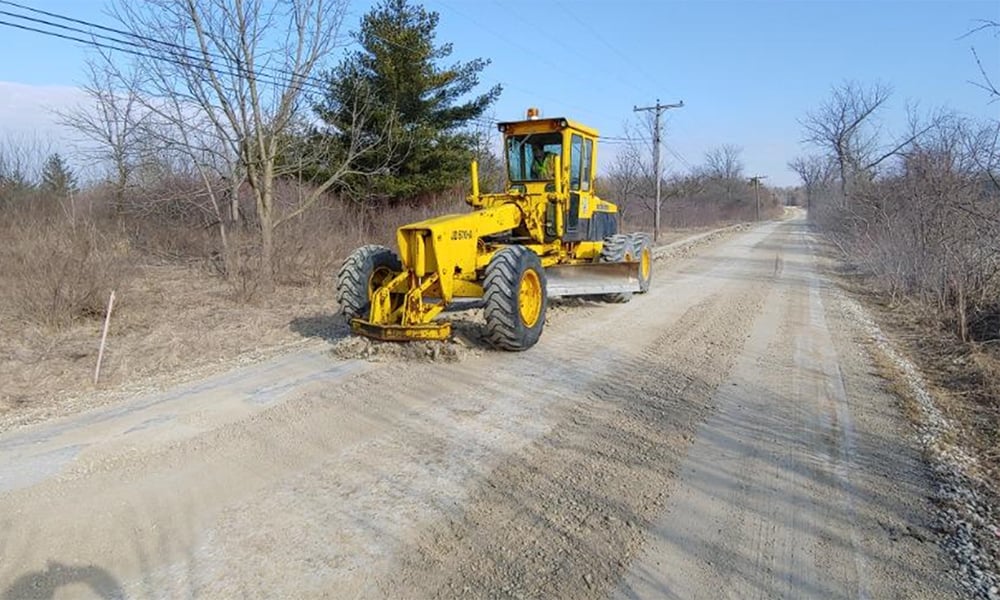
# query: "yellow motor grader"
547,235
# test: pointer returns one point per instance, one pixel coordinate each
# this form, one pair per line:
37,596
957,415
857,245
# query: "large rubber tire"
642,250
617,248
515,299
362,273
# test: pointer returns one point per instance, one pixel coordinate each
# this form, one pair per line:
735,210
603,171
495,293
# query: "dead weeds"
172,323
964,377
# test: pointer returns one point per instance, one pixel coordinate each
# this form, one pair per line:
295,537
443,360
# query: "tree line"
718,189
918,211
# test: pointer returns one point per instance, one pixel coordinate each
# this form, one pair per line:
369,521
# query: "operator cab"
533,148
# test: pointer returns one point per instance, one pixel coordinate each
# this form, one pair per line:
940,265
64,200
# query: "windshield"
532,157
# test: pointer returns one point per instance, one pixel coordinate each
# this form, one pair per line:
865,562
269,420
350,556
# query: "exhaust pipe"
475,179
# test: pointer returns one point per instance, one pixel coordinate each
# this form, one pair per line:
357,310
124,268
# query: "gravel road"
721,436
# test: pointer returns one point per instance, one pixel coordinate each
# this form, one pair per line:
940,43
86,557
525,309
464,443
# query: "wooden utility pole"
755,180
659,108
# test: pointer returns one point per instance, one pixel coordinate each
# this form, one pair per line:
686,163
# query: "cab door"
581,184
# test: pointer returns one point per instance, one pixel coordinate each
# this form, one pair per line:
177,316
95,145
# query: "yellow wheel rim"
530,298
645,263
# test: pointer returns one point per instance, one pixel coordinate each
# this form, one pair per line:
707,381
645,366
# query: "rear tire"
642,251
617,248
363,272
516,299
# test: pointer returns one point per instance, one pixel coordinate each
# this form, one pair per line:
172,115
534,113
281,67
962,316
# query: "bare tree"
488,154
110,124
724,165
927,227
21,161
724,162
195,139
817,174
986,82
243,69
631,178
846,126
625,177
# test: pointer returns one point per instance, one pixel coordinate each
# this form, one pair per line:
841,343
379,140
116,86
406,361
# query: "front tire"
516,299
617,248
363,272
643,252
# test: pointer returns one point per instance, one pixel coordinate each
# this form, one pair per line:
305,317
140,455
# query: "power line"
188,52
93,25
181,55
558,40
679,157
630,60
187,57
509,40
264,74
191,63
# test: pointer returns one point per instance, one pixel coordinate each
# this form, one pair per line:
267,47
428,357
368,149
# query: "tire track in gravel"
564,517
783,492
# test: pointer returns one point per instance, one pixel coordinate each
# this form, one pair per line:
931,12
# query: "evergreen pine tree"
57,178
419,108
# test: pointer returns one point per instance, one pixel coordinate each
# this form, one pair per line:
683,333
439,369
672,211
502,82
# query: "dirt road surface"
722,436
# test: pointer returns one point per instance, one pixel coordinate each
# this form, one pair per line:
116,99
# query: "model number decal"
461,234
603,206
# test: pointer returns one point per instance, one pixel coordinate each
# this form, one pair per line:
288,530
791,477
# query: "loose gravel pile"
378,351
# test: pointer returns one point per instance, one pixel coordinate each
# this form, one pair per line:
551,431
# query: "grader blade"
592,279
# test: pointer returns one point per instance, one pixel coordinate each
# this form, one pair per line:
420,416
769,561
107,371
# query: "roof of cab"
552,122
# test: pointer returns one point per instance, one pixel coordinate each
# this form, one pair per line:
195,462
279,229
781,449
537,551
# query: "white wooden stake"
104,336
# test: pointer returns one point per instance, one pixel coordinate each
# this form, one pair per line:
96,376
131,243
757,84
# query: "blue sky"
746,71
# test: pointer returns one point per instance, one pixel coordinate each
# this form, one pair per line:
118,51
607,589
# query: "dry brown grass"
55,272
180,312
696,213
311,248
896,386
963,376
173,321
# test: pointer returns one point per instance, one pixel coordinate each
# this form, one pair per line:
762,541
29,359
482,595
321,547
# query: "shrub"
57,273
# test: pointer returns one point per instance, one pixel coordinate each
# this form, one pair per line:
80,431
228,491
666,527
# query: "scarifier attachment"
398,311
401,333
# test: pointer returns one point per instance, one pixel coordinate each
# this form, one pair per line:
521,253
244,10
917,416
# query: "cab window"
575,161
532,157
